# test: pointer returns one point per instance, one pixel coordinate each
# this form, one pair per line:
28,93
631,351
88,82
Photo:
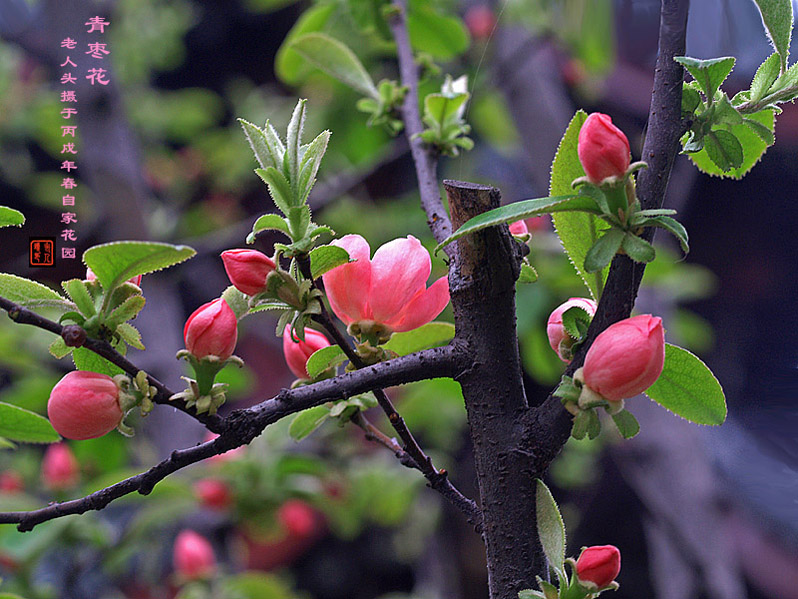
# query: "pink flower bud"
390,289
90,276
559,339
84,405
247,270
626,358
297,352
213,493
603,148
598,565
60,469
480,21
11,482
212,330
298,518
519,228
193,556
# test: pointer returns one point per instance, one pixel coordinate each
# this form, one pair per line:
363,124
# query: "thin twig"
425,158
242,426
437,479
22,315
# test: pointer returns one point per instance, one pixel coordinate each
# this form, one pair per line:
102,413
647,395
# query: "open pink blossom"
389,289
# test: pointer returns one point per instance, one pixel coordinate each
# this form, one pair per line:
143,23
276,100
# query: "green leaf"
763,131
307,421
604,250
268,222
279,187
298,221
336,59
752,144
691,99
265,152
777,19
324,358
10,217
58,349
116,262
638,249
293,143
130,335
626,424
528,274
125,311
290,66
433,334
520,210
577,232
724,149
442,37
441,108
311,160
672,226
708,73
255,585
551,528
23,426
79,293
688,388
86,359
31,294
326,257
765,77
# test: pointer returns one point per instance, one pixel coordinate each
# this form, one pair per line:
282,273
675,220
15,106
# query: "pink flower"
84,405
480,21
60,469
559,339
626,358
212,330
90,276
193,556
11,482
389,289
298,518
213,493
519,228
247,270
603,148
598,565
297,352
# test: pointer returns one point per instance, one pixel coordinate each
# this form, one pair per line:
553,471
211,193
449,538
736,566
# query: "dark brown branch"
242,426
424,158
22,315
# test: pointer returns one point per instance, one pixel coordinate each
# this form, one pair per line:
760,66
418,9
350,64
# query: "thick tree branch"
424,158
242,426
22,315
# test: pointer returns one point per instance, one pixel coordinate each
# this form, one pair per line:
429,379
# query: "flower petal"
347,286
425,306
399,270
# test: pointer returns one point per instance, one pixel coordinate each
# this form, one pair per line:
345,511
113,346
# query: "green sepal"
626,424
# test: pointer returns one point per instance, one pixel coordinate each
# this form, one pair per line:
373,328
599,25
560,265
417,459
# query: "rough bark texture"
482,280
